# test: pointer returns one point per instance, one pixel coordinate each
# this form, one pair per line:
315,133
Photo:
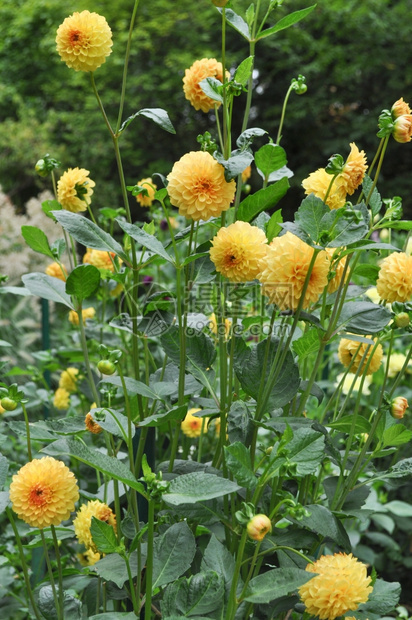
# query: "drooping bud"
400,108
258,527
402,128
399,406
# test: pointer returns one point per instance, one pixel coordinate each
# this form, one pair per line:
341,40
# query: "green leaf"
212,88
307,344
218,558
237,22
197,487
305,451
200,348
270,158
396,436
243,71
37,240
235,165
398,508
205,593
363,317
275,583
96,459
143,238
375,201
344,424
72,606
286,22
399,224
83,282
309,216
350,230
240,465
51,205
383,598
114,422
134,387
246,137
4,468
322,521
88,234
239,423
47,287
103,536
4,500
253,364
157,115
173,553
113,615
113,568
178,413
264,199
273,228
371,272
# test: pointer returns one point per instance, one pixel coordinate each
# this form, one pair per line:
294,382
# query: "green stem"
282,118
131,585
232,602
378,169
83,341
149,561
56,598
59,566
26,421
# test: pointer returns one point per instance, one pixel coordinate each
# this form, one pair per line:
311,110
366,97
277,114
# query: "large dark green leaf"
218,558
322,521
113,568
350,229
103,536
383,599
235,165
173,553
200,349
239,423
269,158
364,317
275,583
309,216
262,200
83,282
240,465
197,487
305,451
47,287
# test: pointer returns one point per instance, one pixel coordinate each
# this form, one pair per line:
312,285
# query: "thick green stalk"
56,597
149,561
83,341
282,118
232,602
27,425
59,566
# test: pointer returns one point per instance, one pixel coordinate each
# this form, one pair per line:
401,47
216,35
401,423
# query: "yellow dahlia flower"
100,259
74,190
237,250
395,277
55,271
284,269
318,183
198,188
61,398
402,128
68,379
352,350
341,585
84,40
353,171
146,201
88,557
87,313
400,108
337,268
200,70
91,425
83,521
43,492
396,362
192,425
246,174
349,383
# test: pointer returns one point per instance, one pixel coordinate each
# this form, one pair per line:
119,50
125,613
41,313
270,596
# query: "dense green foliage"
352,54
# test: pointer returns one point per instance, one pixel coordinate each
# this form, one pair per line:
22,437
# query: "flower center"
40,495
75,37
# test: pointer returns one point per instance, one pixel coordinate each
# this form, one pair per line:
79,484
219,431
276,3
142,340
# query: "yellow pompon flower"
192,425
341,585
198,188
395,278
199,71
88,557
87,313
400,108
337,268
61,399
100,259
90,423
318,183
237,250
284,269
55,271
402,128
83,521
44,492
396,362
212,324
353,171
74,190
84,40
348,383
146,201
68,379
353,350
246,174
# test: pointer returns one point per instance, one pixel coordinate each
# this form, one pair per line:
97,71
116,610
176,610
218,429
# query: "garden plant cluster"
217,426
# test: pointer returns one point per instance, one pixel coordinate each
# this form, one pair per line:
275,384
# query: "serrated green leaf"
305,451
47,287
236,164
307,344
363,317
286,22
4,468
197,487
344,424
178,413
103,536
157,115
51,205
309,216
239,464
269,158
113,568
212,88
173,553
322,521
243,71
83,282
396,436
143,238
264,199
36,240
273,228
275,583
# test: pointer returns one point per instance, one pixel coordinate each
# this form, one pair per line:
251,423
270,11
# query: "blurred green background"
356,58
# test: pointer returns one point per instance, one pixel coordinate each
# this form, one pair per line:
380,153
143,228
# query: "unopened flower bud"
384,234
220,3
402,319
106,367
41,168
400,108
402,128
399,406
8,404
258,527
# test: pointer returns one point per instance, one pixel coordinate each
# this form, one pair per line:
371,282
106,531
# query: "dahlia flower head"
61,399
87,313
237,250
84,41
360,354
341,585
395,278
192,425
283,272
55,271
68,379
75,189
83,521
146,201
100,259
198,188
44,492
200,70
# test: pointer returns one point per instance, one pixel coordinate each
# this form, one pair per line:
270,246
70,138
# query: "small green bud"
106,367
299,85
8,404
402,319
